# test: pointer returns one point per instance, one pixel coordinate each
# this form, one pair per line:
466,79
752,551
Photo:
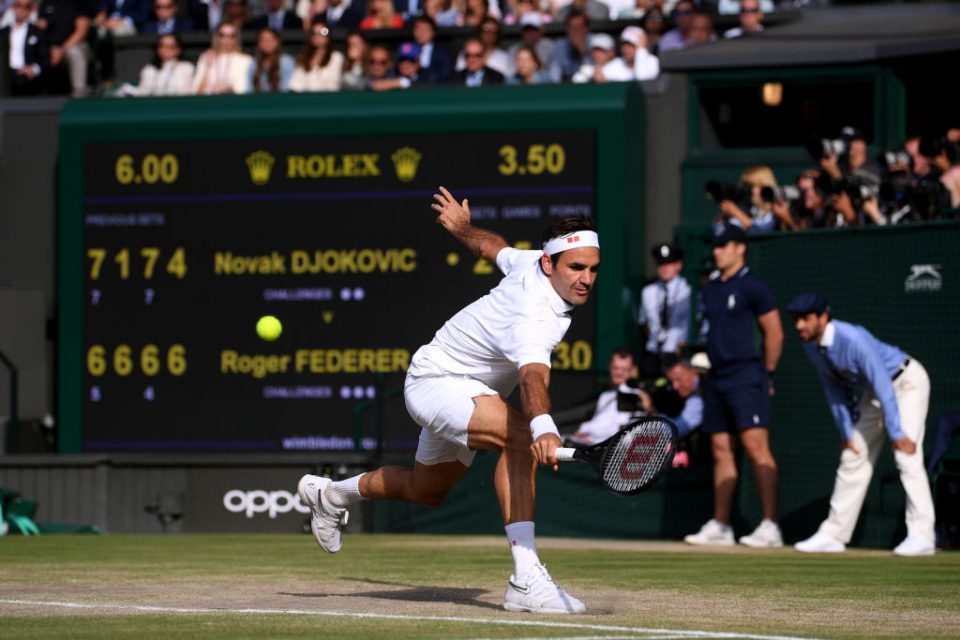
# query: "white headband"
571,241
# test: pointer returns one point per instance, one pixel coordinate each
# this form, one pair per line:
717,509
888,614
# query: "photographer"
944,154
760,194
684,406
851,148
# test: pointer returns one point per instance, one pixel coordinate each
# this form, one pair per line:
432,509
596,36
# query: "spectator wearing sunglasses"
476,73
166,20
678,37
223,68
751,17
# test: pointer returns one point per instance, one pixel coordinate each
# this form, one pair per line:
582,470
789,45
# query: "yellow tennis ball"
269,328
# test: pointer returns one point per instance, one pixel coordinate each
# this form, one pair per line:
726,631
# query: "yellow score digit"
123,360
152,169
176,265
538,159
577,356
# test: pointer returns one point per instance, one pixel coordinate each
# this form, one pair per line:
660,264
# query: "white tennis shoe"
713,532
765,536
820,543
914,545
326,521
537,592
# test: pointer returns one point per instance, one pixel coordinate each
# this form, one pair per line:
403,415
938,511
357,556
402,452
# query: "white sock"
343,493
522,546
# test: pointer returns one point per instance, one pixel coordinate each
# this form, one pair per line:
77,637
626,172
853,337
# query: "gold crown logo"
405,161
260,164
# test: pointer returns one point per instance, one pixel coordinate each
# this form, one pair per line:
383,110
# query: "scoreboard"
186,241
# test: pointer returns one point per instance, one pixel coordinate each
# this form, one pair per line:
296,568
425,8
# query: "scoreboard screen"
187,243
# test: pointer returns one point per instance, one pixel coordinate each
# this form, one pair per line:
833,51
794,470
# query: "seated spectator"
122,17
28,51
333,13
523,8
235,13
67,25
701,29
277,18
531,36
604,65
633,49
165,19
679,36
356,63
166,75
223,68
687,415
767,212
319,66
380,15
571,52
381,65
476,73
529,68
497,59
436,63
594,9
475,12
442,13
408,70
607,417
751,20
653,23
272,69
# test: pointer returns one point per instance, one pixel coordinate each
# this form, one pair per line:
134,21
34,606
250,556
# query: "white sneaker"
765,536
326,521
713,532
537,592
914,545
820,543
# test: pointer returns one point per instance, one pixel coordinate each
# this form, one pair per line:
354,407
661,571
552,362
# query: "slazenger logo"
923,277
259,501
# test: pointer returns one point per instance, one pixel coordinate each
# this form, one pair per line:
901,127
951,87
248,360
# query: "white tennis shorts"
443,406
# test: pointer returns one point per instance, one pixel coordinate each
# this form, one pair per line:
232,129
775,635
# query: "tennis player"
456,388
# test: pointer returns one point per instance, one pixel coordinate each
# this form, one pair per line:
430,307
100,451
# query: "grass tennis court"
394,586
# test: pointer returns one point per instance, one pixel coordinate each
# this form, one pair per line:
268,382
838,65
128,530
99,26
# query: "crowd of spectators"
66,46
846,187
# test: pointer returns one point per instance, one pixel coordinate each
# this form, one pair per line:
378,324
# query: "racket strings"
638,457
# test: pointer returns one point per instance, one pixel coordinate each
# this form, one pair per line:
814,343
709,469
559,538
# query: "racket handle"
565,454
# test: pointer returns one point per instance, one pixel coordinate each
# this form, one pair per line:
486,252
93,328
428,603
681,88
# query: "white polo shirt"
519,322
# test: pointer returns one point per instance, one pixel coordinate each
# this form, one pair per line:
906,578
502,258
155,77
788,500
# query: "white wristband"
543,424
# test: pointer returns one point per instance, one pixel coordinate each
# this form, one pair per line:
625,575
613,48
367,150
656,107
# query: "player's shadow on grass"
411,593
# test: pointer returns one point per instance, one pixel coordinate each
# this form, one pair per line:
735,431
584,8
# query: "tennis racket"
631,460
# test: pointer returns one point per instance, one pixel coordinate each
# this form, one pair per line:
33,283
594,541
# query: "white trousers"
912,388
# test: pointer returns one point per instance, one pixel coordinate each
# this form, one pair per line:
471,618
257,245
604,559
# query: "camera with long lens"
787,193
662,395
628,395
718,191
897,160
856,186
820,148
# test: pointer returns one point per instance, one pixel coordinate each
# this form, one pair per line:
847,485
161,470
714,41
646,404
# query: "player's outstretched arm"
455,218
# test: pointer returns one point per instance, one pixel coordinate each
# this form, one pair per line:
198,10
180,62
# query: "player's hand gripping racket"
632,459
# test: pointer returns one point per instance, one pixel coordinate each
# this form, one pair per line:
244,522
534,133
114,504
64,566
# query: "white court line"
670,633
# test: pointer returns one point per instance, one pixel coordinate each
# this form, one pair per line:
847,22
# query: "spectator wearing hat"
737,393
476,73
409,72
531,36
664,309
635,54
871,386
604,65
436,63
751,20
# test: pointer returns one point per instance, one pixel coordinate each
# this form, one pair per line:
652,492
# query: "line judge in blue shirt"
869,385
736,397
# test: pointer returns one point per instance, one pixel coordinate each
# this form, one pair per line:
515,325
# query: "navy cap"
664,253
729,233
810,302
408,51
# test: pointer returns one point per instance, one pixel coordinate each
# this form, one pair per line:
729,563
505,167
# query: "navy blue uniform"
737,394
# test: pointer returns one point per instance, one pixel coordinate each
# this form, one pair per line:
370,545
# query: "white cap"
633,35
700,361
602,41
531,19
